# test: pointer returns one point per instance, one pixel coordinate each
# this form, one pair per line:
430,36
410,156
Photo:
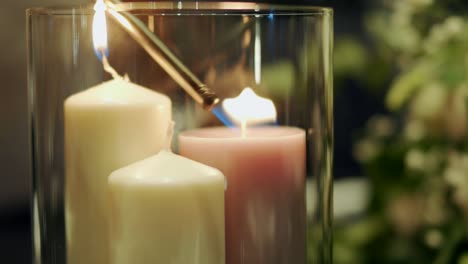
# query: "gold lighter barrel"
162,55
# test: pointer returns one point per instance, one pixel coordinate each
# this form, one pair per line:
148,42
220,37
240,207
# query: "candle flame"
100,28
250,109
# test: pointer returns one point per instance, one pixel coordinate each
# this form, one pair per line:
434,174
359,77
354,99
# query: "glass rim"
193,8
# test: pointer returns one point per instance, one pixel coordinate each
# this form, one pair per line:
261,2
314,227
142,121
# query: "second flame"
249,109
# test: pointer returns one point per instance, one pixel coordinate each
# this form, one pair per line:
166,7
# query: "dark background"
353,106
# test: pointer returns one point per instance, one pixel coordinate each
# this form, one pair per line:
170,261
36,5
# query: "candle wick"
107,67
126,77
244,128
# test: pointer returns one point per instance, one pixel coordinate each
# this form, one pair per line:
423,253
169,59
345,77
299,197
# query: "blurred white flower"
415,160
461,199
409,82
433,238
465,84
412,5
463,259
456,172
456,175
441,33
427,162
403,36
454,25
429,101
351,57
423,3
414,130
381,126
456,114
435,207
435,40
406,213
435,157
396,29
366,150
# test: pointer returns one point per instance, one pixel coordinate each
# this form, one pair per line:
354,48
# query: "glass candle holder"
106,186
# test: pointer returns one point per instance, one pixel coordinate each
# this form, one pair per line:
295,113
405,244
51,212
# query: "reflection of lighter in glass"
163,56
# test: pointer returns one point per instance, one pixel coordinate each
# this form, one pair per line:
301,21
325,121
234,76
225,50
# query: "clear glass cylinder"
83,136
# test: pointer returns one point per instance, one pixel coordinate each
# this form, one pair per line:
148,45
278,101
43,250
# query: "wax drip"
244,128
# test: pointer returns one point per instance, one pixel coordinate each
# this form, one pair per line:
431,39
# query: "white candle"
106,127
167,209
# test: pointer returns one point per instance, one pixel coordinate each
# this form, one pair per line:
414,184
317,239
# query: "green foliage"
416,159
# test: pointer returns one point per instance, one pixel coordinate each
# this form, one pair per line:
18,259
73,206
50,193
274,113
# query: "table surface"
15,229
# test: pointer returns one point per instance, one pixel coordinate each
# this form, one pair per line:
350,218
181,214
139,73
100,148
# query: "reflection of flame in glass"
249,109
257,52
100,28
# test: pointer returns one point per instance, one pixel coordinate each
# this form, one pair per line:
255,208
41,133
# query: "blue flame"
101,51
222,116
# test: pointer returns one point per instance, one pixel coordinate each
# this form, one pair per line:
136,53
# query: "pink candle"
265,207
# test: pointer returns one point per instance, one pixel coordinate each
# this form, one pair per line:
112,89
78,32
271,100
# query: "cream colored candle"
167,209
106,127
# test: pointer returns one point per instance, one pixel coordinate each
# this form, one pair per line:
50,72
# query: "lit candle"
107,127
167,209
265,170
